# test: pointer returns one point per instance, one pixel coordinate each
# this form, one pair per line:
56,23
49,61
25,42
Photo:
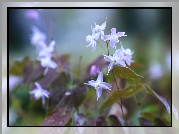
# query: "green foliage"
125,72
120,94
17,67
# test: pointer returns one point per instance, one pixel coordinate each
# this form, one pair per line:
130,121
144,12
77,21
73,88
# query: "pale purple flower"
99,85
113,37
99,29
32,14
116,59
37,36
14,81
92,39
94,70
155,70
39,92
46,50
127,55
45,54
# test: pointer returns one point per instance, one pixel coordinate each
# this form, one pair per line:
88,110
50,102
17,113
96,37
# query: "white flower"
99,29
39,92
37,36
113,37
92,39
127,55
45,54
99,85
46,50
116,59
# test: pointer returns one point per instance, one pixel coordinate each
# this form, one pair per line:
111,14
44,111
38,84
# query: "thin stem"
101,46
117,88
135,97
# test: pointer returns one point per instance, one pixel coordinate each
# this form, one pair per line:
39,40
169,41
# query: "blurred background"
148,34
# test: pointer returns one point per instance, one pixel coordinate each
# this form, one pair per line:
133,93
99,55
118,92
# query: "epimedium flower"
127,55
99,85
92,39
32,14
37,36
45,54
116,59
94,70
39,92
99,29
113,37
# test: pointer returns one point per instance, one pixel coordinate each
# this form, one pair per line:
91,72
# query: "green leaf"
160,98
120,94
125,72
16,68
148,115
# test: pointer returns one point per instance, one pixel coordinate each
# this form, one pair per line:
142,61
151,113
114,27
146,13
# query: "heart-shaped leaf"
125,72
120,94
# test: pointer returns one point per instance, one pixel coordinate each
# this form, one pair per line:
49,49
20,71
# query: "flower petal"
112,43
110,67
100,77
119,34
38,85
105,85
98,93
113,31
108,58
105,37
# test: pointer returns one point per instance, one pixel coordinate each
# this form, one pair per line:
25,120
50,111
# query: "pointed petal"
105,85
119,34
112,43
98,93
108,58
110,67
38,85
103,26
100,77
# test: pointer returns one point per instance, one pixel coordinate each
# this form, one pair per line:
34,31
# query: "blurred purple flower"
14,81
116,59
92,39
37,36
155,70
39,92
45,54
113,37
94,70
32,14
99,85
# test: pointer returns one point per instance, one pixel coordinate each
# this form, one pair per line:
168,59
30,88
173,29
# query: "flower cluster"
96,32
121,57
45,53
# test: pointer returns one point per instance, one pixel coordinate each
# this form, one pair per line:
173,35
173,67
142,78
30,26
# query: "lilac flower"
116,59
39,92
94,70
92,39
127,55
32,14
113,37
46,50
99,29
45,54
14,81
99,85
37,36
